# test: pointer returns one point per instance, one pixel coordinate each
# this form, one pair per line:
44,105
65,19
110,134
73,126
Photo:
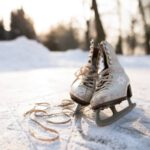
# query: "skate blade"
116,116
78,110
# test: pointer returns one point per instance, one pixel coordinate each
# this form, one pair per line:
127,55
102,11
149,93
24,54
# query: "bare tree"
146,28
61,38
87,35
119,49
131,38
99,26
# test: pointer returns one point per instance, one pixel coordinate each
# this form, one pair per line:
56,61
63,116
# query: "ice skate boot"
112,87
83,87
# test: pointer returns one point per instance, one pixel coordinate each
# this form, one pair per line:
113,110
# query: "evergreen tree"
21,25
2,30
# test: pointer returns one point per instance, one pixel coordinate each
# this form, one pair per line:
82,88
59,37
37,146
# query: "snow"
30,73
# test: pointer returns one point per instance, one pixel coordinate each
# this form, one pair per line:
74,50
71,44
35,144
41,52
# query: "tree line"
63,37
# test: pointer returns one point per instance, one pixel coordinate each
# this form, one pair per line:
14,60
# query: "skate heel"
116,114
129,91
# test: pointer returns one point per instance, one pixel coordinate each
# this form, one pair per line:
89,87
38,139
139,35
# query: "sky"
44,13
48,13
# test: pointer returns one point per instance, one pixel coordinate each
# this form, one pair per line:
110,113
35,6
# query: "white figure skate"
113,87
83,87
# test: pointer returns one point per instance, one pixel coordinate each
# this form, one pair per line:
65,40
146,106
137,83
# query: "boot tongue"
94,59
107,54
106,66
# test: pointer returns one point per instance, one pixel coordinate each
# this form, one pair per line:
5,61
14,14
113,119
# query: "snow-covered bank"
46,76
22,53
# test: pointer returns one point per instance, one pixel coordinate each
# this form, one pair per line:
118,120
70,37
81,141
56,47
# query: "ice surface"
30,73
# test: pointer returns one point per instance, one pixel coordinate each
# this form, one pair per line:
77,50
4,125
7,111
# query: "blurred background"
70,24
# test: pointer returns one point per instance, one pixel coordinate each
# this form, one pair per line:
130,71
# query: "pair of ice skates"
105,89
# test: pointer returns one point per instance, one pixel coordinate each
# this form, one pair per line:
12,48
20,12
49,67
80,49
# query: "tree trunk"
146,28
119,45
119,49
87,35
99,27
131,38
